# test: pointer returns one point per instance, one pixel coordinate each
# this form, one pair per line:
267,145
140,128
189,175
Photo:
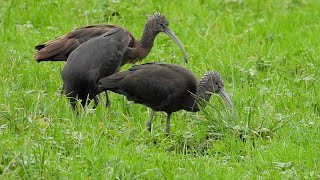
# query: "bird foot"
167,132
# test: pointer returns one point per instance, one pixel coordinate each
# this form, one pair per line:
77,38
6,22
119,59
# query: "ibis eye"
219,85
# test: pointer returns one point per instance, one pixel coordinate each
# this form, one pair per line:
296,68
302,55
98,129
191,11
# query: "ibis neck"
142,48
147,38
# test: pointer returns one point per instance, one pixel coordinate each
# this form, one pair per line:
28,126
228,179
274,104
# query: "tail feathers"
39,47
113,81
47,51
50,43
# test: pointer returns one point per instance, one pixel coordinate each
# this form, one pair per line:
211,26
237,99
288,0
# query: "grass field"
267,52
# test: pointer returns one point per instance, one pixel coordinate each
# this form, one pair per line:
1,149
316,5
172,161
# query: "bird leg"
107,99
149,122
168,124
96,100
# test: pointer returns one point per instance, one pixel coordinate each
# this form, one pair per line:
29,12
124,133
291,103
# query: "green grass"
267,52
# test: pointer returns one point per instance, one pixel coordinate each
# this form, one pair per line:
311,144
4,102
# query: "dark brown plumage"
60,48
165,87
87,64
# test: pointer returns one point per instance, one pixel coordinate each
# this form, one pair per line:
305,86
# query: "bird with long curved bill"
59,49
165,87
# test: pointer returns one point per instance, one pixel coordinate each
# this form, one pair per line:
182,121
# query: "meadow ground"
267,52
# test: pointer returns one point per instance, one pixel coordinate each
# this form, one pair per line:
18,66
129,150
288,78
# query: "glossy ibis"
165,87
60,48
87,64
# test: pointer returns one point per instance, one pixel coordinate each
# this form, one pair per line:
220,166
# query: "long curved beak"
175,38
225,96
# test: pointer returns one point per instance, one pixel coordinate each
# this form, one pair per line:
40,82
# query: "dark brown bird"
96,58
165,87
60,48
